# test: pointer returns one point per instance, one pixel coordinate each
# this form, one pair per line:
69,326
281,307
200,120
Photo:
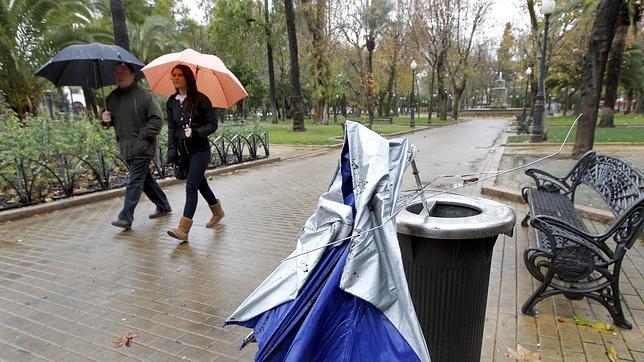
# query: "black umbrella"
88,65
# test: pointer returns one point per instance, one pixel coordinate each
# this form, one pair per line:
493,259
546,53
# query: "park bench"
568,259
389,120
523,124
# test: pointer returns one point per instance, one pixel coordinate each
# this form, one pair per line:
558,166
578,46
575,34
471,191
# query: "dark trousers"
196,181
140,179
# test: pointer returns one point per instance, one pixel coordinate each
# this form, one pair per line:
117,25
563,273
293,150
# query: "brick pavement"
70,283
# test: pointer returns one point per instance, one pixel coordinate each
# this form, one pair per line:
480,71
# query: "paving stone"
79,288
570,356
196,354
73,357
550,347
595,352
169,346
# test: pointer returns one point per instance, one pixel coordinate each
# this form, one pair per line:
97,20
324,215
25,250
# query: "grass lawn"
320,134
420,120
620,120
557,134
317,134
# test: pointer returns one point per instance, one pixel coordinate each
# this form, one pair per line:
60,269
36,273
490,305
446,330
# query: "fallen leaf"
125,340
523,354
598,325
612,354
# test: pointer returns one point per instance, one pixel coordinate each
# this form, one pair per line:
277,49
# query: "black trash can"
446,245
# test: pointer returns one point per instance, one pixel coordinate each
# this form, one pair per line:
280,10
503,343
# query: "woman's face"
178,80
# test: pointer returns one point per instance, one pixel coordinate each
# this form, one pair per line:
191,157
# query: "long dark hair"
191,82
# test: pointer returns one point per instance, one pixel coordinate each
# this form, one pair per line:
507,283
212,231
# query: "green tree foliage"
237,37
504,52
31,31
632,74
153,38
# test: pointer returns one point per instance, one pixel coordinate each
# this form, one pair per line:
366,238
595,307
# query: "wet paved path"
70,283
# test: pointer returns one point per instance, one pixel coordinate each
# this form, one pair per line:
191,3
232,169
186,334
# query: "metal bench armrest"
627,227
548,182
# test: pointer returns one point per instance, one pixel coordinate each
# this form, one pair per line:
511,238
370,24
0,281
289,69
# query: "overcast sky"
503,11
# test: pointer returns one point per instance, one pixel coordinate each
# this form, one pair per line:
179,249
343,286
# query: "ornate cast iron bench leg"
611,301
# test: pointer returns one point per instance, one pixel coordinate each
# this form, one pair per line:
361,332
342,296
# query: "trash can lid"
452,216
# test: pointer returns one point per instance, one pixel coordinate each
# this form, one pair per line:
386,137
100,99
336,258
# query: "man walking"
136,117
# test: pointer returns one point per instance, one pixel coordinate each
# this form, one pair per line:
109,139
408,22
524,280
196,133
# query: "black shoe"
160,212
122,224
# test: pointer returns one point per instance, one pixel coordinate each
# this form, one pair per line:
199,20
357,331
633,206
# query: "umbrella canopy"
213,78
349,301
88,65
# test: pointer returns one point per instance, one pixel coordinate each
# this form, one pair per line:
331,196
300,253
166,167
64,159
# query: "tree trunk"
297,108
390,87
458,95
431,100
566,100
440,80
594,66
614,67
119,24
271,66
629,99
90,101
371,45
315,19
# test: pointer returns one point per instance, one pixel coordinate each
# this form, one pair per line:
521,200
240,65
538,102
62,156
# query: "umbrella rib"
60,75
226,100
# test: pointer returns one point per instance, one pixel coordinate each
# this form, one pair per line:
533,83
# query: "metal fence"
31,181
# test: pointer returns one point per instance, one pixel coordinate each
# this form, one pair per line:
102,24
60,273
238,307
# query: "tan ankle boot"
181,232
217,214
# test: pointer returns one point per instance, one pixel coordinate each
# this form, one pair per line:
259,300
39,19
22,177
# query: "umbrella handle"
104,99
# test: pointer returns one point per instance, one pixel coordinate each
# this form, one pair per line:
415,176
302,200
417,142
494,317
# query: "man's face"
124,77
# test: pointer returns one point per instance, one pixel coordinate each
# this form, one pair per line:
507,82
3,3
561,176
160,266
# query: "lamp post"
335,109
547,8
528,73
413,66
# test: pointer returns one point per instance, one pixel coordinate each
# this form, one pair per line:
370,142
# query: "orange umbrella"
213,78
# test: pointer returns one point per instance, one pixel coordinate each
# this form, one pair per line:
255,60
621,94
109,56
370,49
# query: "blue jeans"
140,180
196,181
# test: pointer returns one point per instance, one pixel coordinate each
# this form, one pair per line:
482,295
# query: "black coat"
136,117
202,119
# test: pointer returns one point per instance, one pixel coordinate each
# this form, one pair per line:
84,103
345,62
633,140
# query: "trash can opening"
446,210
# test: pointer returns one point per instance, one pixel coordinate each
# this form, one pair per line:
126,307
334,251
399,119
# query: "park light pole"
528,73
547,8
412,121
335,109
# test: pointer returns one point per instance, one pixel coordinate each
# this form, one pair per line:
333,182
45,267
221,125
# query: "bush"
43,159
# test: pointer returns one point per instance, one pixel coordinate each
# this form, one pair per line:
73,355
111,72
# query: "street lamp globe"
528,71
413,65
547,7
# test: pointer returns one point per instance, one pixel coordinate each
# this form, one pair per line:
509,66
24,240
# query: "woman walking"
191,119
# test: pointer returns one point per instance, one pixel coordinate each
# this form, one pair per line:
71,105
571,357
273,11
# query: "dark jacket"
137,120
203,122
